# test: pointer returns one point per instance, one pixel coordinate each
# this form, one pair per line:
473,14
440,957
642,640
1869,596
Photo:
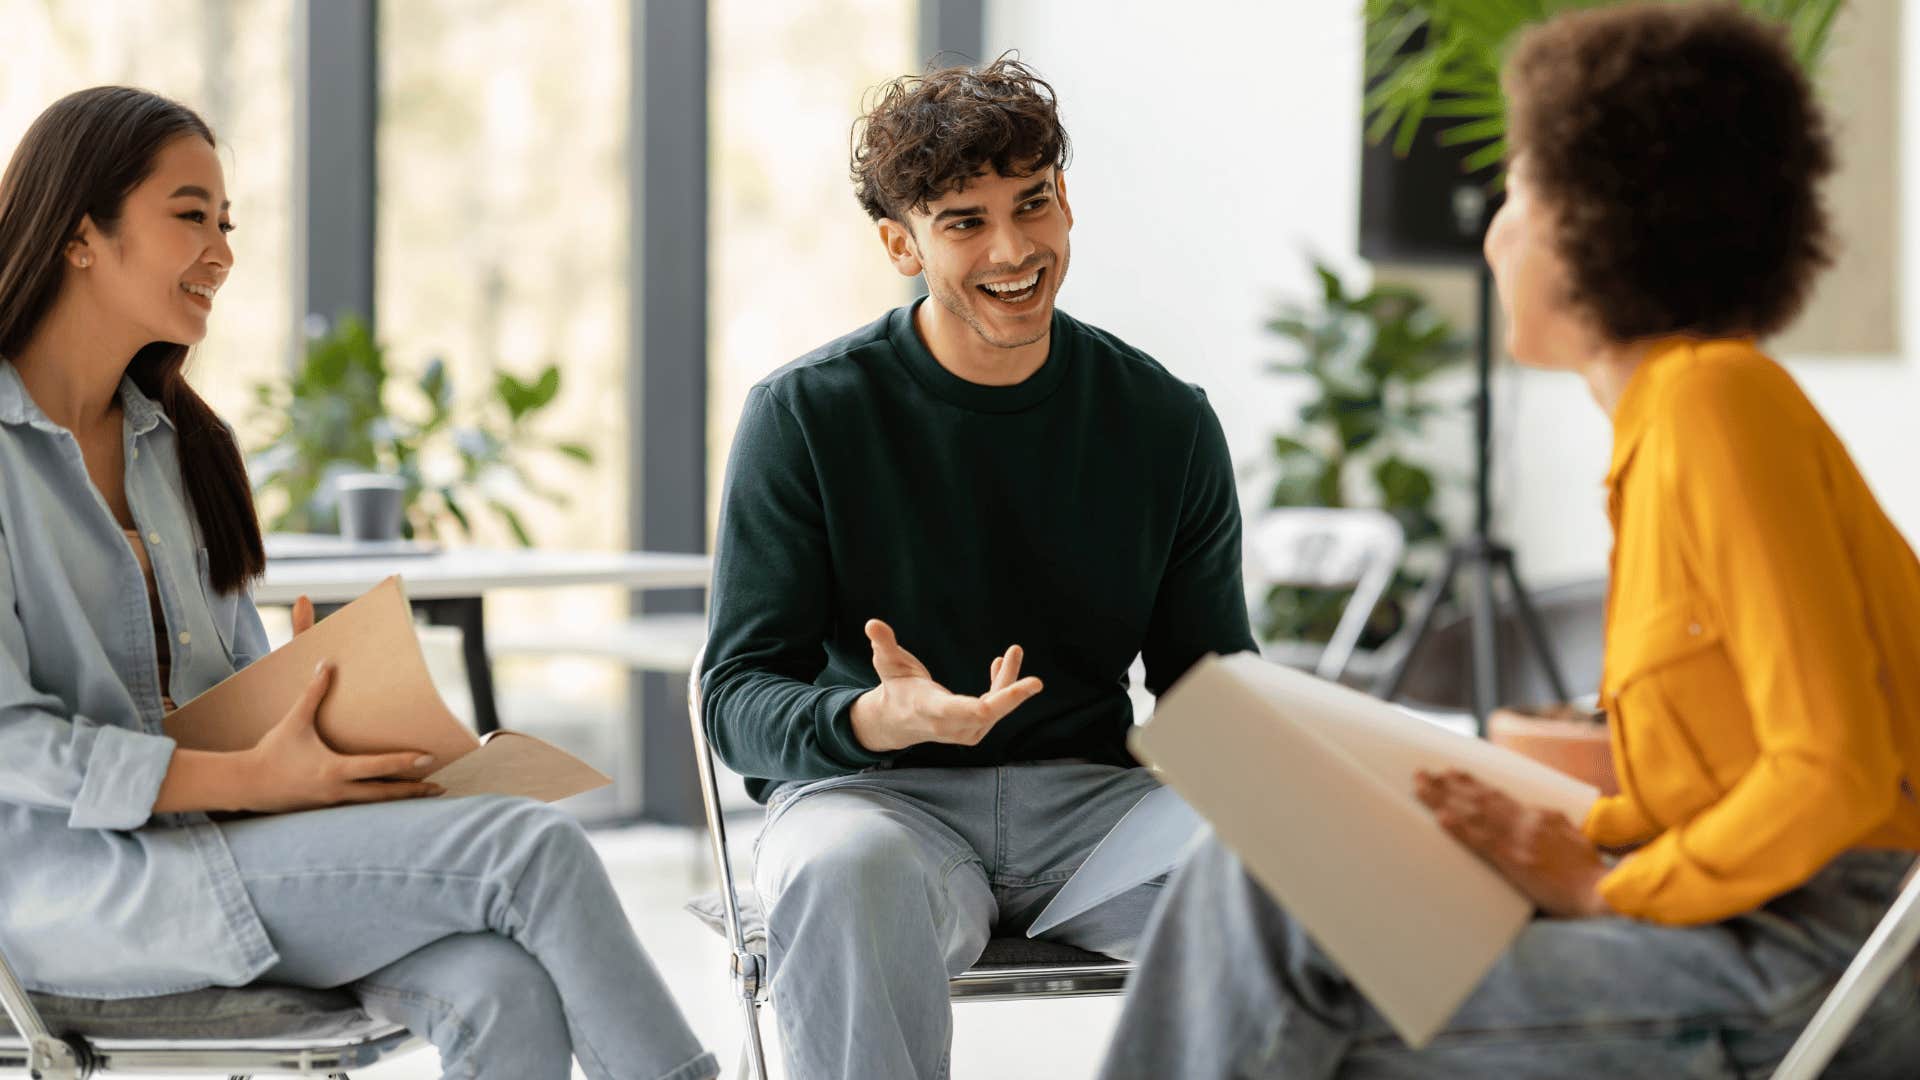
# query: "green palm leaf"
1440,60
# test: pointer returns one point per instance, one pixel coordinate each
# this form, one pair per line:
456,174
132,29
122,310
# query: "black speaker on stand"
1426,208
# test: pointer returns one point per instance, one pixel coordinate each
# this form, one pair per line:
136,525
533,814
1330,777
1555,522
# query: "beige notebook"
1311,784
382,699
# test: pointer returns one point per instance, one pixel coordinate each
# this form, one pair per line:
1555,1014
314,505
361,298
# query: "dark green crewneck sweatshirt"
1087,514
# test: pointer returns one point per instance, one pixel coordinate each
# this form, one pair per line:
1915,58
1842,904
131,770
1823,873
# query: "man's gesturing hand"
908,707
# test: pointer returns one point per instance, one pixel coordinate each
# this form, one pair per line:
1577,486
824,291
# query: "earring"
86,261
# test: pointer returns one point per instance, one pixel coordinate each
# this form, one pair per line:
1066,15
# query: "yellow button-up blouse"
1762,672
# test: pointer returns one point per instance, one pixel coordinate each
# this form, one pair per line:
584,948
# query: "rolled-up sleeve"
103,776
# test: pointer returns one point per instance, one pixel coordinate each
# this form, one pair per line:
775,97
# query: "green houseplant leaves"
344,411
1440,59
1367,356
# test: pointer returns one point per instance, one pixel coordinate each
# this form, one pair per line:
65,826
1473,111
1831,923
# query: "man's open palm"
909,707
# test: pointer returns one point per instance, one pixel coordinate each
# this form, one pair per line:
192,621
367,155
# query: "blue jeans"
1229,985
880,885
487,925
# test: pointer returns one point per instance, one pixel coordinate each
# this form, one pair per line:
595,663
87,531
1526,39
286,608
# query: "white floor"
657,869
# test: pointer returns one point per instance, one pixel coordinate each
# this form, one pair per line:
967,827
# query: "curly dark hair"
927,135
1682,149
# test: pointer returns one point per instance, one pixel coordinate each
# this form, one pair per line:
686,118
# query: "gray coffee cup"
371,505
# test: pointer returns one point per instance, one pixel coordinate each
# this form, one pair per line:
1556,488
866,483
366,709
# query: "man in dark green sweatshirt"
944,539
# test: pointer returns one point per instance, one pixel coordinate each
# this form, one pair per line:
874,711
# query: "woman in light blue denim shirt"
487,925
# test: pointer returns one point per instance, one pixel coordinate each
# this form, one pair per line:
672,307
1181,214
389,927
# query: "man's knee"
878,861
852,850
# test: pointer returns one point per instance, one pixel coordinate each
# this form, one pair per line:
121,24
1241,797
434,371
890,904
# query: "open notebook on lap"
382,699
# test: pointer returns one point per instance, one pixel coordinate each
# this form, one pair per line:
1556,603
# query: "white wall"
1213,147
1216,144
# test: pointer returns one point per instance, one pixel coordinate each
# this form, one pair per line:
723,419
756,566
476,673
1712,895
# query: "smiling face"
994,253
158,267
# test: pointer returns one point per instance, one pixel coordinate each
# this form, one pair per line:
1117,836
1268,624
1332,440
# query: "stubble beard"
962,309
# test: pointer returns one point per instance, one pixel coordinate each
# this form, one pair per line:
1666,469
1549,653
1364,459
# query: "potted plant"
343,411
1368,356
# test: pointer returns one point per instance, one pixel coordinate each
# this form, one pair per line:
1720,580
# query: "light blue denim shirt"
100,897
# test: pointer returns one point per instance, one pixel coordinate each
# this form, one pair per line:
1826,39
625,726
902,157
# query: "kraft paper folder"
382,699
1312,785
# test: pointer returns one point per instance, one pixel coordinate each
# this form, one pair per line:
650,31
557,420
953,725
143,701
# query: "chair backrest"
1328,548
1888,950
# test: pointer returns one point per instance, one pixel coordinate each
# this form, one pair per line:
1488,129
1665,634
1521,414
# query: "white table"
449,587
469,572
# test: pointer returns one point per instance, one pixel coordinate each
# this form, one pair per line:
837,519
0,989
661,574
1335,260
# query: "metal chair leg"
754,1051
747,976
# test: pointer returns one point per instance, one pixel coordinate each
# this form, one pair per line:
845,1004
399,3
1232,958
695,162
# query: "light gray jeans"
1228,985
487,925
880,885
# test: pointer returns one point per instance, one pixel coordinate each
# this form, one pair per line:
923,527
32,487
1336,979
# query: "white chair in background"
1328,548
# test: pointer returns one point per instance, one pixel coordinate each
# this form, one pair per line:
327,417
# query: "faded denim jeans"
880,885
1229,985
487,925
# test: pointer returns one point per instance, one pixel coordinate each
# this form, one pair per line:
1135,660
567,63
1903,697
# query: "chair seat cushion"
711,909
1031,952
1000,952
216,1014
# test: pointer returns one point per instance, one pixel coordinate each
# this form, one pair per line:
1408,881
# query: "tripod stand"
1482,557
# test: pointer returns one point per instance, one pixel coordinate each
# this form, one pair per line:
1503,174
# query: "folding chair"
1329,548
1887,950
1009,969
213,1032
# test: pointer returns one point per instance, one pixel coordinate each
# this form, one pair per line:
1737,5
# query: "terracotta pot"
1575,745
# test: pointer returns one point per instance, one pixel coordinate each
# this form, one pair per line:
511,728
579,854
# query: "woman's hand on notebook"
1543,854
292,768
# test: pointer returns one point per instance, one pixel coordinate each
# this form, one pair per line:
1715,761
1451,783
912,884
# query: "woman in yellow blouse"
1763,629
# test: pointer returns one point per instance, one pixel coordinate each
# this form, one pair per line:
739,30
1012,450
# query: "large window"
502,246
794,261
231,61
502,225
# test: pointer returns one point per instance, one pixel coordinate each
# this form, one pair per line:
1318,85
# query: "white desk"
470,572
449,587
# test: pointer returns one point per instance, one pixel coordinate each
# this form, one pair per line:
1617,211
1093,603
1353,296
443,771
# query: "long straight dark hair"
81,158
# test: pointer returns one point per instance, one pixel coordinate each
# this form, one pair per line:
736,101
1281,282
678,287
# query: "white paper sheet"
1149,840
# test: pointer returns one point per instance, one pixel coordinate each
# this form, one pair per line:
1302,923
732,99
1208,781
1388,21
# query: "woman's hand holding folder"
1542,853
296,770
316,776
291,767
